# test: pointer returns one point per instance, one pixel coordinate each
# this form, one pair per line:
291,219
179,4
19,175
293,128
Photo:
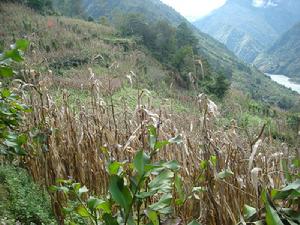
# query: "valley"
285,81
122,112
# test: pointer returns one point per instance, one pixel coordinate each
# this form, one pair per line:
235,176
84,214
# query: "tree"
165,41
185,37
220,86
104,21
39,5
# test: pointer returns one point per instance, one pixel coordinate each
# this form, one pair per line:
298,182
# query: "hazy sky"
193,9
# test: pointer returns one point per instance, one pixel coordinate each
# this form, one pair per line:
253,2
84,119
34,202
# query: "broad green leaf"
53,188
161,181
179,189
22,44
296,163
114,168
213,160
95,204
14,55
82,211
248,211
292,190
203,164
10,143
194,222
120,193
272,217
139,162
146,194
63,189
172,165
160,144
152,215
292,214
76,187
5,93
83,190
163,202
21,139
5,71
225,173
109,220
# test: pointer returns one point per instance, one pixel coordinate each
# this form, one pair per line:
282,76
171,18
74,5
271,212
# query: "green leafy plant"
141,192
12,140
281,207
21,199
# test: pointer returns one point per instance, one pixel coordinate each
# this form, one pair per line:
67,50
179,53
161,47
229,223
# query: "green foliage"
220,86
38,5
281,206
25,201
104,21
72,8
12,140
138,190
176,48
186,37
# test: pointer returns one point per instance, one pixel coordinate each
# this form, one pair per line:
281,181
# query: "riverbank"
295,80
285,81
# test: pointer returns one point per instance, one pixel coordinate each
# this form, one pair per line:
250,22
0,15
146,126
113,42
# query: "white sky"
194,9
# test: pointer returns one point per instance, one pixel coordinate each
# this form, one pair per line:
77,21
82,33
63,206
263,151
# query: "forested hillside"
129,120
220,60
283,57
248,29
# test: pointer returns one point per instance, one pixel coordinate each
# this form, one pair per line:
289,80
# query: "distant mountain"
213,53
248,27
283,57
151,9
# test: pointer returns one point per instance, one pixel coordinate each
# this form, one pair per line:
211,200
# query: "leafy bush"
12,140
280,207
26,202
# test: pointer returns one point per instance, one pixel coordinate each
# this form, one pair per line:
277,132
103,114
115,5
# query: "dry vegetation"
79,140
80,144
69,47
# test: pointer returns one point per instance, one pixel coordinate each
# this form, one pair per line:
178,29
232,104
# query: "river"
285,81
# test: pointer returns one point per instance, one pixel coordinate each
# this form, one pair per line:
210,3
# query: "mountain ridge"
283,57
248,30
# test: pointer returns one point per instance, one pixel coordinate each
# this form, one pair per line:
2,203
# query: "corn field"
79,141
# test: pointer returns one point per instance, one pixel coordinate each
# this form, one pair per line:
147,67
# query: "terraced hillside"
71,46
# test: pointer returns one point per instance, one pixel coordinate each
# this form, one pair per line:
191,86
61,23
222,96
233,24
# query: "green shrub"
26,202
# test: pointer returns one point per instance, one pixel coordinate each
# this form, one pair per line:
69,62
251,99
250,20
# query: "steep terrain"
283,57
216,54
247,28
108,115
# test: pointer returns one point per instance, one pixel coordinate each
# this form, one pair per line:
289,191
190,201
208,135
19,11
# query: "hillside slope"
248,29
283,57
247,79
69,47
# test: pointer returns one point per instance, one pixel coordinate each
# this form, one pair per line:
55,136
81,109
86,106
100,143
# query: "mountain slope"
283,57
219,59
247,29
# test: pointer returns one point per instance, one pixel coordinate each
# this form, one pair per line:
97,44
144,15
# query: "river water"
285,81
